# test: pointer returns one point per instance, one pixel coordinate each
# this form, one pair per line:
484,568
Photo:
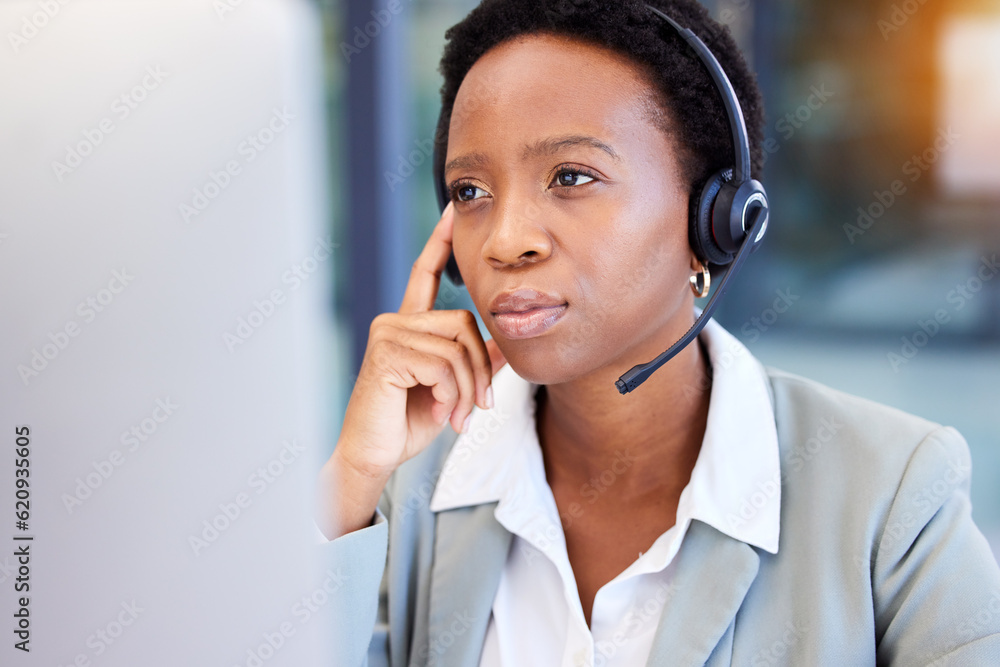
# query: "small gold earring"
705,278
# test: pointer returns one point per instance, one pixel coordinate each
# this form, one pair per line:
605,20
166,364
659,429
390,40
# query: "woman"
724,512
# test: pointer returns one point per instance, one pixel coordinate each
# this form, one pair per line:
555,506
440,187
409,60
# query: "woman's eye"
570,178
566,178
466,192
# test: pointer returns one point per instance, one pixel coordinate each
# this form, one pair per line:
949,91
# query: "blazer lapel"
712,575
470,552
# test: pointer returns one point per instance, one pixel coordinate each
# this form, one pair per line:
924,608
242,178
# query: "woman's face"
563,184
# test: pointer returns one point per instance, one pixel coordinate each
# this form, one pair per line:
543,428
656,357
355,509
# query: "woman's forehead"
561,84
541,64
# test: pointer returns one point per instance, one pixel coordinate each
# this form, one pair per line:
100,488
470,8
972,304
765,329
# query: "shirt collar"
735,485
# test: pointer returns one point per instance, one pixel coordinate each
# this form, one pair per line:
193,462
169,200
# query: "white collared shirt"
537,617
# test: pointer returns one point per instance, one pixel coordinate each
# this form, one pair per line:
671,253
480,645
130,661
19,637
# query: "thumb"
497,360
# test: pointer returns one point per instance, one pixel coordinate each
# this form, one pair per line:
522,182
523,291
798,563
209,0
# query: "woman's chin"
544,367
556,356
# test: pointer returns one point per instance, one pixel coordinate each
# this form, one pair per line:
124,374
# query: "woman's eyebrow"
548,146
553,145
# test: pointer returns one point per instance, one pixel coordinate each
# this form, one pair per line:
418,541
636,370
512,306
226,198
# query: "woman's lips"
529,323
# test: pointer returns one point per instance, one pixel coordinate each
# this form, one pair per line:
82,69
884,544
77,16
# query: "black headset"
728,223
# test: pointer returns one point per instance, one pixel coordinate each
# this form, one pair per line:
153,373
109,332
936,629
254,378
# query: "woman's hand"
421,367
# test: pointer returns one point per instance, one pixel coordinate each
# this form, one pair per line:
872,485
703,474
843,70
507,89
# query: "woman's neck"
648,439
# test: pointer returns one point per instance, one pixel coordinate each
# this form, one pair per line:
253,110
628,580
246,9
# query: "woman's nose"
517,235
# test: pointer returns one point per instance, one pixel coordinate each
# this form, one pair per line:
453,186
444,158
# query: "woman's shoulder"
828,436
798,397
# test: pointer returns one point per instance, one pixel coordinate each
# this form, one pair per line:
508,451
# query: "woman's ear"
695,263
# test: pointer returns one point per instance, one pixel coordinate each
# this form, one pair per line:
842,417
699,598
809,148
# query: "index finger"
425,277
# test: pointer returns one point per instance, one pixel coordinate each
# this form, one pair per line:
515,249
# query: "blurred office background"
883,170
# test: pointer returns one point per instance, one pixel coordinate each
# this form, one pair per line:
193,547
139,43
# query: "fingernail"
465,425
489,397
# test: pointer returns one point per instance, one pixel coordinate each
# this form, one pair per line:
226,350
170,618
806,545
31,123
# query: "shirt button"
581,657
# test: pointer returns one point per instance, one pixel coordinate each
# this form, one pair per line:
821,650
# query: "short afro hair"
694,115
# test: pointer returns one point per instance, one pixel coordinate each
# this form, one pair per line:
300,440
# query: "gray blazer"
878,563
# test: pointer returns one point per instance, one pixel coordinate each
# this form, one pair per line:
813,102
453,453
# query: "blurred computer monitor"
165,264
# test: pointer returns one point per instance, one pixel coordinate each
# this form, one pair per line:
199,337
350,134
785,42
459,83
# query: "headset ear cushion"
700,232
